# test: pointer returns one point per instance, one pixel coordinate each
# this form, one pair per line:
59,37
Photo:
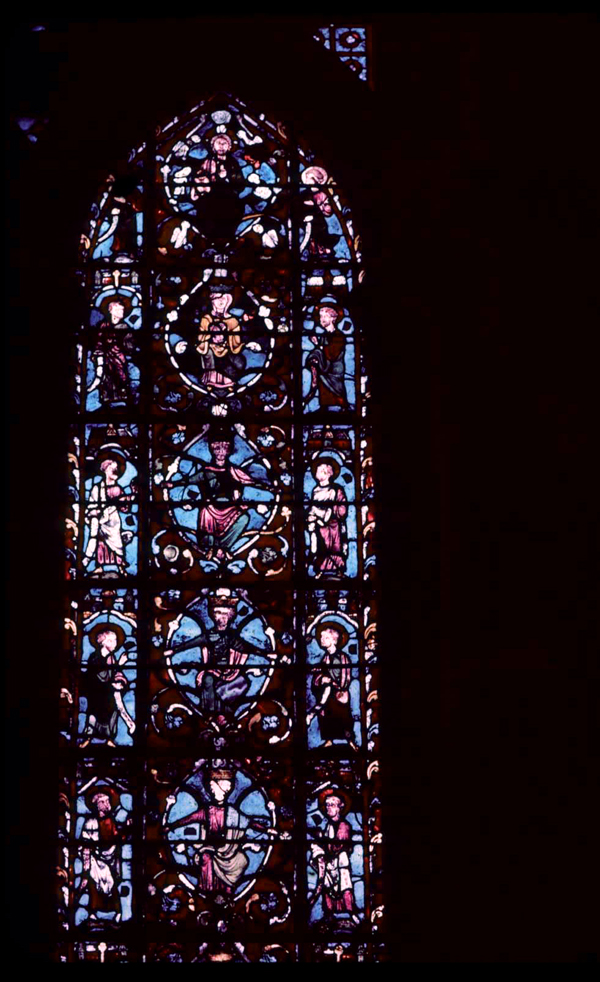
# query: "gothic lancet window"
220,795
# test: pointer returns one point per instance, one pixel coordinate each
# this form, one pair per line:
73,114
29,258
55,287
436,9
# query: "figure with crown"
217,835
219,681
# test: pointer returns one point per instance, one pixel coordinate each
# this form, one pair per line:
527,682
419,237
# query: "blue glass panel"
115,231
108,669
335,855
333,702
110,546
349,44
350,39
102,866
356,63
329,495
112,375
218,498
323,35
328,357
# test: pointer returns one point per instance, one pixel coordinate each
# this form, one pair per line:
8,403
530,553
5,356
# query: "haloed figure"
217,487
328,543
220,681
222,519
331,858
220,345
218,852
104,686
101,857
326,361
105,504
218,166
331,687
114,341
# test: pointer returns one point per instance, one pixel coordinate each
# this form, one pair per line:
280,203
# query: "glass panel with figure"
222,347
220,669
107,668
220,854
220,500
335,858
111,342
329,494
115,230
334,676
101,868
329,376
110,542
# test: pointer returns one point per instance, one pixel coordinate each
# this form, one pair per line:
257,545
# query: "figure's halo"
334,791
112,451
326,459
106,626
344,636
97,789
116,297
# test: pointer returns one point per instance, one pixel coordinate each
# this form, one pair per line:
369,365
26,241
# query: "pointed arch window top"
229,184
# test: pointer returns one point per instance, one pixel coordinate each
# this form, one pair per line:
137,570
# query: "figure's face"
117,312
323,202
220,449
222,617
102,802
324,473
328,318
332,807
329,638
220,302
109,641
220,144
220,789
112,470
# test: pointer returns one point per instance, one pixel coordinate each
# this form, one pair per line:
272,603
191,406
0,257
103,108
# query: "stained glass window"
220,795
350,44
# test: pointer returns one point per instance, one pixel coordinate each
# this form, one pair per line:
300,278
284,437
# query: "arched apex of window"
233,181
